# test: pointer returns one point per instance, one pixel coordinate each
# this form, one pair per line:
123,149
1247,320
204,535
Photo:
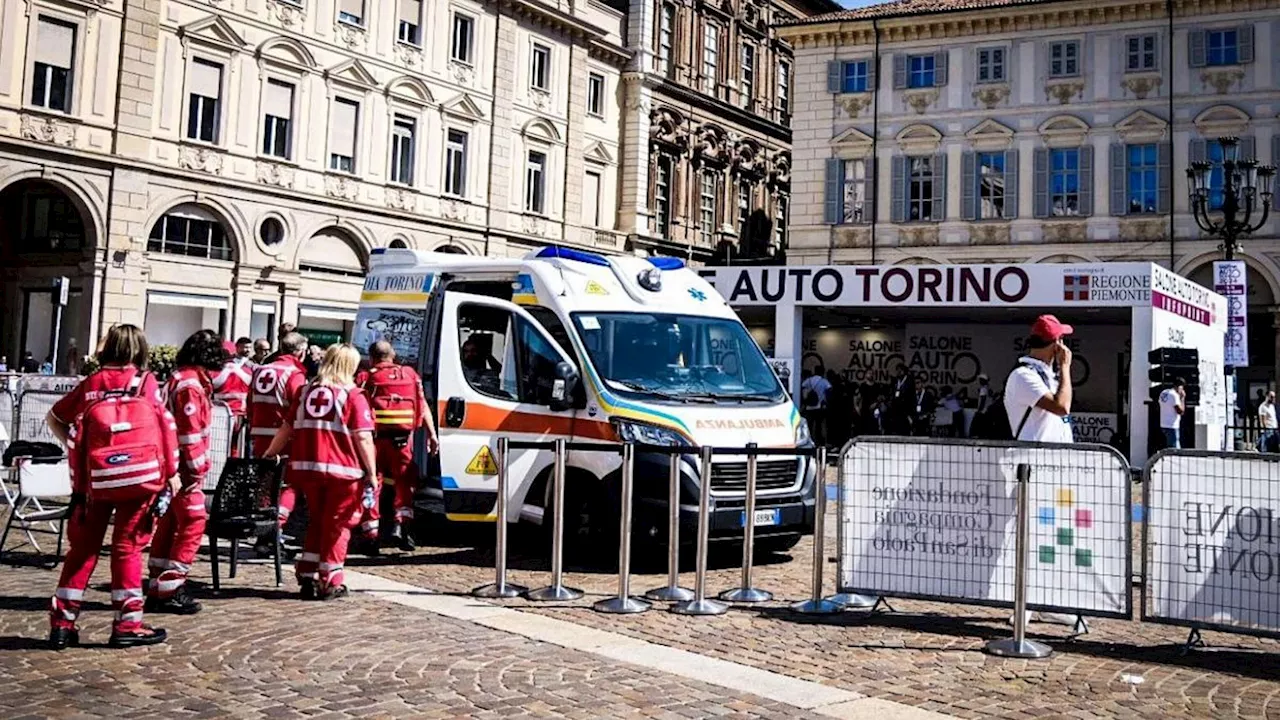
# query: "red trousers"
395,465
86,530
333,508
176,540
288,497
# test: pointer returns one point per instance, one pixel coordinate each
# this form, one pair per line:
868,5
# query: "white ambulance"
570,344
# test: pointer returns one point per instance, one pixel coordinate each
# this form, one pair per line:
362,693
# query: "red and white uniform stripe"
231,384
273,387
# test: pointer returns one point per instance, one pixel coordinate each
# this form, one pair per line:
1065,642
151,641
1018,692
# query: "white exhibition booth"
1165,310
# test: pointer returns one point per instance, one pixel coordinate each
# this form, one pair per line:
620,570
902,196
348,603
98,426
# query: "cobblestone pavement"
260,654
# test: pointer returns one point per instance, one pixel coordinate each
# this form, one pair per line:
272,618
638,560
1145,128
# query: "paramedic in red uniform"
122,359
177,536
231,384
329,431
399,408
273,388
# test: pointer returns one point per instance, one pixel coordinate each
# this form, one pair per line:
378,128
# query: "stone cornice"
1005,20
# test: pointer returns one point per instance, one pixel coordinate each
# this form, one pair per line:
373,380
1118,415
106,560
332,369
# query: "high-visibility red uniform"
399,406
273,387
324,464
231,384
87,527
178,533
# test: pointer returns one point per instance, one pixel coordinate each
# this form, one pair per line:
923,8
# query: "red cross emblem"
320,402
266,381
1075,287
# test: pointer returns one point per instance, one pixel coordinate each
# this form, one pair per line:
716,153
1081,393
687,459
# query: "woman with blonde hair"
329,430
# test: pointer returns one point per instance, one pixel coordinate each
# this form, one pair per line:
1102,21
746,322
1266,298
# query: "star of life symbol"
320,402
266,381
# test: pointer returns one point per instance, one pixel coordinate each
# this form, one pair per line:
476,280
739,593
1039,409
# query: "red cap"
1048,327
230,347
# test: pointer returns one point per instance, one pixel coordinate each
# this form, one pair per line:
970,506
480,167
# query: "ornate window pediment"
1222,120
665,129
1064,131
597,152
542,129
212,30
852,143
711,145
352,72
464,107
288,52
990,135
410,90
1142,127
918,139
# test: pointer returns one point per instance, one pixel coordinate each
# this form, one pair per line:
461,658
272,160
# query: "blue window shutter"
1086,181
1275,151
1164,175
940,68
899,71
1244,41
871,73
1248,147
1199,150
1119,180
969,182
1010,184
834,68
831,195
898,189
1040,204
939,187
1196,50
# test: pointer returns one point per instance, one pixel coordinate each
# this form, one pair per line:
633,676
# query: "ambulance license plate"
764,518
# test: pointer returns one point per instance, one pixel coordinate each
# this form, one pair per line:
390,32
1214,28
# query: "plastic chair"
245,506
46,479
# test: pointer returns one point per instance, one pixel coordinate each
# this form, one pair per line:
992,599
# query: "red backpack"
393,395
124,446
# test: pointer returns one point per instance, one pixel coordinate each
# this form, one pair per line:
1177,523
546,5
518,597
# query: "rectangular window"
343,123
662,196
710,57
277,119
1223,47
991,65
920,189
1140,53
744,207
853,76
595,94
1215,156
591,185
1064,59
204,95
747,88
455,163
780,224
540,67
409,27
1142,178
402,149
920,71
784,92
464,27
856,209
666,38
351,11
991,190
54,52
535,177
1064,182
707,207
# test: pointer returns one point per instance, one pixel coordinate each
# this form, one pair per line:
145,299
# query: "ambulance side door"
499,374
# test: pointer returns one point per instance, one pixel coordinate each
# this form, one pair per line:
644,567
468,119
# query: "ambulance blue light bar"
666,263
555,251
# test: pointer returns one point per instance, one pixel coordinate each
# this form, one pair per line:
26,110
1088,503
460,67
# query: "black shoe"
145,635
334,593
404,539
63,638
180,604
263,548
308,589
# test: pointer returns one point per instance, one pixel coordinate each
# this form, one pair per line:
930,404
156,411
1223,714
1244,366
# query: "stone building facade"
961,131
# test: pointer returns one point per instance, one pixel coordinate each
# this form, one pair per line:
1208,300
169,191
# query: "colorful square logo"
1063,521
1075,288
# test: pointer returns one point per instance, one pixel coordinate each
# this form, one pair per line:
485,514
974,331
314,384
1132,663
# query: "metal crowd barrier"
221,442
29,418
8,409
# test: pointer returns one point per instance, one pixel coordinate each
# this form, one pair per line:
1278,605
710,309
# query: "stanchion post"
624,603
672,592
846,600
1019,646
746,593
816,605
500,588
699,604
556,590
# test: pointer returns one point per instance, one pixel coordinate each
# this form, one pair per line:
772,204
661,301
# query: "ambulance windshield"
677,357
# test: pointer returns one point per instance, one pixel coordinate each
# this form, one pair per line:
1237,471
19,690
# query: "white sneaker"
1075,622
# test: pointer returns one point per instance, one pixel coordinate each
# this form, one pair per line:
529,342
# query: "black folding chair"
246,505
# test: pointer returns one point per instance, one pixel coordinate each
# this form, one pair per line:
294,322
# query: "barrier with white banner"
1211,556
936,520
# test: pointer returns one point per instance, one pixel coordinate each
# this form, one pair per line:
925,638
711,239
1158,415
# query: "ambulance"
569,344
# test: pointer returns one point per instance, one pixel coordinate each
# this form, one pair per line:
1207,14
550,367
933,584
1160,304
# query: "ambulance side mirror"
563,386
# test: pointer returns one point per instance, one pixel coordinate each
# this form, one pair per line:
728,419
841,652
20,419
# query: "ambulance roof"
574,280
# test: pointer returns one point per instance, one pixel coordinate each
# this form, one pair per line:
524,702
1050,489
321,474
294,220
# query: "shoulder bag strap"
1027,415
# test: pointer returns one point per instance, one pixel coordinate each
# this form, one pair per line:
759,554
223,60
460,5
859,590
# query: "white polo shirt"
1029,382
1169,418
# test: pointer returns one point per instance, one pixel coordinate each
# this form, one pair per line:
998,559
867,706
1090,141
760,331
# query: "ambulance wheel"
590,536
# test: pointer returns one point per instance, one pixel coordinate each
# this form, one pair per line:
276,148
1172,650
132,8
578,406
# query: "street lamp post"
1246,192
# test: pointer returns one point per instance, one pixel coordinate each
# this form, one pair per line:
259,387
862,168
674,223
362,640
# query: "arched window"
192,231
451,250
398,244
332,252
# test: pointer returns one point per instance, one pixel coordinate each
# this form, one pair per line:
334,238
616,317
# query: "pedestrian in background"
261,351
1267,422
1173,403
813,403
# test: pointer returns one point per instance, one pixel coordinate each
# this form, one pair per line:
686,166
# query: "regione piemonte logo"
1075,287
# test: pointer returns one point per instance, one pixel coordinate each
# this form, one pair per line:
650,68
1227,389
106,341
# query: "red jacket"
189,401
105,379
273,388
231,384
326,420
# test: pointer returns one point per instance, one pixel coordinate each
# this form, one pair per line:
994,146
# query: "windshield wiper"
637,387
741,398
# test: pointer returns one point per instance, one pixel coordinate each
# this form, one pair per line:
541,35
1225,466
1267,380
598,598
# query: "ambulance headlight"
646,434
650,279
803,438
